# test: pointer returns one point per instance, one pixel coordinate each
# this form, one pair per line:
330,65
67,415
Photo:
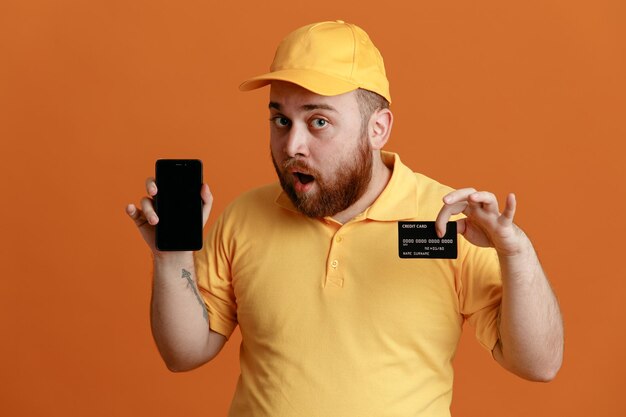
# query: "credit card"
419,240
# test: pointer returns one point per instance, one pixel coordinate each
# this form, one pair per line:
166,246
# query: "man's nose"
297,141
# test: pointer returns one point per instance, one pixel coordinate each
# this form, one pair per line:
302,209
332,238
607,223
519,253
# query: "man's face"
322,157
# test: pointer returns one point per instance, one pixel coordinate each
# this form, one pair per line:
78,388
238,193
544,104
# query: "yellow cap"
328,58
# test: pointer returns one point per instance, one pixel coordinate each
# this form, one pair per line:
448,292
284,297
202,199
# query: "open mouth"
304,178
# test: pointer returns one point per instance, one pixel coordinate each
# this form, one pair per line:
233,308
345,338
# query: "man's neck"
380,177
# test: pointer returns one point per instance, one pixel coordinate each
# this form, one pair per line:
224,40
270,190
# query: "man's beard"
334,194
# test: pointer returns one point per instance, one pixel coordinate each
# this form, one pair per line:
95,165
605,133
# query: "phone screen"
178,204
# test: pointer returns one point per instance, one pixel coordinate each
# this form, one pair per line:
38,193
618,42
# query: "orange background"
527,97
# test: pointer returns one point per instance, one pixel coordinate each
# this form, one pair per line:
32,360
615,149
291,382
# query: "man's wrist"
521,264
518,247
183,259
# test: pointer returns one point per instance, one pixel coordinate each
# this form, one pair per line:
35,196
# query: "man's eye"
280,121
319,123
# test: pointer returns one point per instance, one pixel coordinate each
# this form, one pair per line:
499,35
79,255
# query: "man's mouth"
304,178
302,181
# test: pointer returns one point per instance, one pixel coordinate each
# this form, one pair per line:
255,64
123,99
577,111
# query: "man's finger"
207,198
132,211
148,211
510,206
441,222
151,187
458,195
484,200
136,214
444,215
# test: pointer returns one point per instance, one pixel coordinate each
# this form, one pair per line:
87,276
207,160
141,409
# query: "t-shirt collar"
398,200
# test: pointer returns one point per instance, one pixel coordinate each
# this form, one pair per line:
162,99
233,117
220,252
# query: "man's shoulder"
428,186
253,216
257,200
260,195
430,194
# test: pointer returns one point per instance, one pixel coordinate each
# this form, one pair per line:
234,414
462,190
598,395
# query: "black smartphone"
178,204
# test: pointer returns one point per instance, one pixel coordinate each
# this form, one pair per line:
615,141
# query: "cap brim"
314,81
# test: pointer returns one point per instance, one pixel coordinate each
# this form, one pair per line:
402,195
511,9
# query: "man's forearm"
179,319
530,323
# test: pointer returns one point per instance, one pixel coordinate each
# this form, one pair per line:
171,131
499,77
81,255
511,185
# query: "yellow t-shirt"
333,321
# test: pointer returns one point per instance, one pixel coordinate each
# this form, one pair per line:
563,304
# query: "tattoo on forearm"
192,285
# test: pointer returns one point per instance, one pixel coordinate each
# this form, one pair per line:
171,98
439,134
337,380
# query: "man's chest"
344,280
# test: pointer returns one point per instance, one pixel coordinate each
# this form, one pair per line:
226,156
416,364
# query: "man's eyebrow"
318,106
307,107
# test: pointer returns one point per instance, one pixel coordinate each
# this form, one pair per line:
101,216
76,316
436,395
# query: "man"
333,321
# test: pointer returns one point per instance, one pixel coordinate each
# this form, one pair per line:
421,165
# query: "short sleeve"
214,278
480,291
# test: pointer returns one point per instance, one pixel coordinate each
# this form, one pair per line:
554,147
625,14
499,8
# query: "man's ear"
379,128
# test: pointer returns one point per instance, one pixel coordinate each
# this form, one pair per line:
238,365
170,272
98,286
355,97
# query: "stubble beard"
335,191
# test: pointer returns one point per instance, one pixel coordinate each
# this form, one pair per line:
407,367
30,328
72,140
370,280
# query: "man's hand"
484,225
178,315
531,328
146,218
